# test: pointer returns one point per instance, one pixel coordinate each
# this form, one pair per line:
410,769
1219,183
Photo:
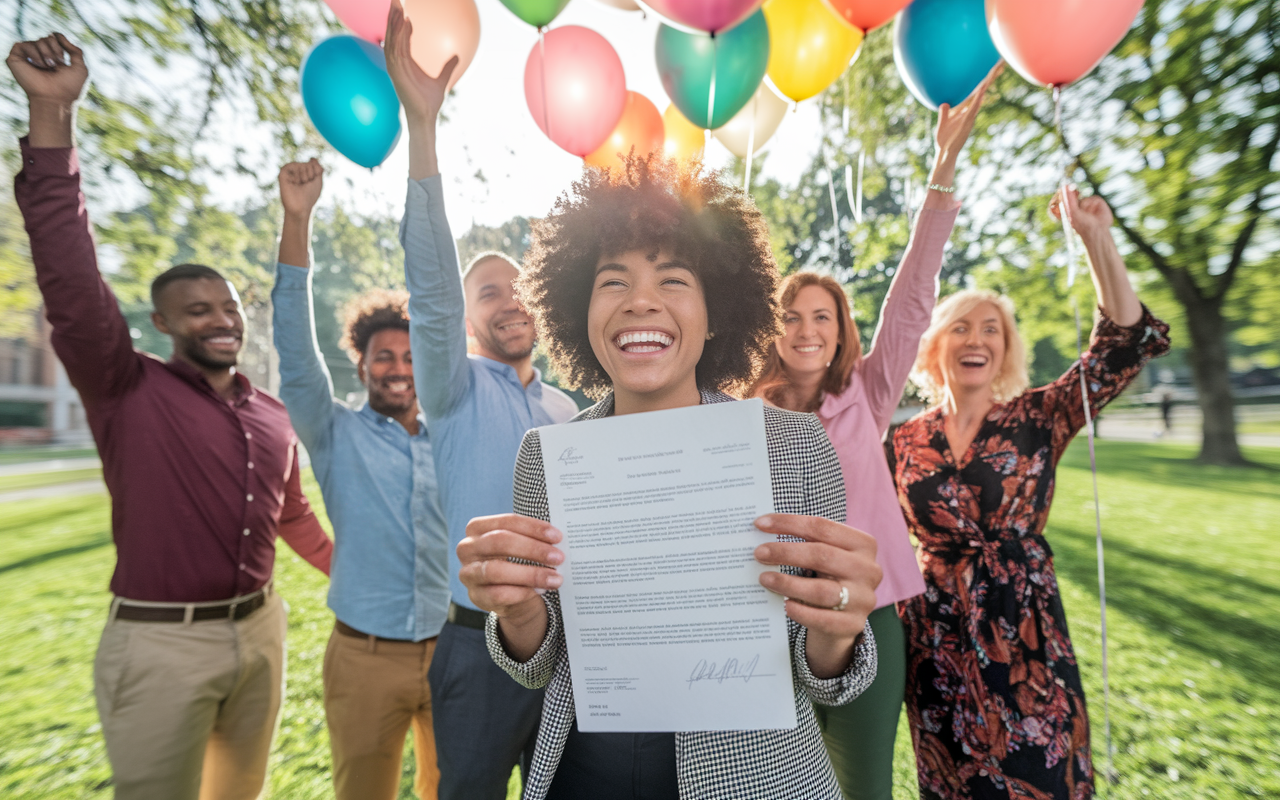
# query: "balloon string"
1069,231
711,90
1102,572
542,62
751,144
855,201
835,219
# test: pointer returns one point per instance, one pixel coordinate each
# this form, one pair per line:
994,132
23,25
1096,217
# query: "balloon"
625,5
684,140
441,30
537,13
764,111
586,90
349,97
735,59
1054,44
942,49
366,18
711,16
809,47
640,127
867,14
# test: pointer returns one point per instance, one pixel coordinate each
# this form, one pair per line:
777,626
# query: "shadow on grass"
1163,599
101,540
1174,465
47,513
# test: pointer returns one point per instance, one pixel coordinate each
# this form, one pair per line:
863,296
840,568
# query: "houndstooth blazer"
717,765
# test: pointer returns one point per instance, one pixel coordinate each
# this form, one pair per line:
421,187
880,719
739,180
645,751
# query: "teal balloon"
736,58
943,49
537,13
349,97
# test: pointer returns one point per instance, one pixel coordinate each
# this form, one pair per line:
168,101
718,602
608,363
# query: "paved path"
54,465
56,490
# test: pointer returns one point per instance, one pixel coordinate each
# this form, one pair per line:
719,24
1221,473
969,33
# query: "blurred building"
37,403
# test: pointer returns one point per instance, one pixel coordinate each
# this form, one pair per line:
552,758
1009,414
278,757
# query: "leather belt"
346,630
467,617
237,608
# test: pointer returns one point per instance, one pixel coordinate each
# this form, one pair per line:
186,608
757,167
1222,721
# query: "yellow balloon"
684,140
809,46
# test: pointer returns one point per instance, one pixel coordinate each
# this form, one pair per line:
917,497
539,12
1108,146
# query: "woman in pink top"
817,365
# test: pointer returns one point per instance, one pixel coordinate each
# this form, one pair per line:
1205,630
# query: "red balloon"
711,16
585,88
640,127
1055,43
867,14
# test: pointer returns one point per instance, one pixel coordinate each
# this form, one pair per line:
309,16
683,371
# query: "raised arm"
1092,218
437,314
904,317
305,384
90,334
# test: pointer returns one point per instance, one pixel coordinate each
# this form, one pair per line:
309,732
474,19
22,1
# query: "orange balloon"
684,140
866,14
640,127
441,30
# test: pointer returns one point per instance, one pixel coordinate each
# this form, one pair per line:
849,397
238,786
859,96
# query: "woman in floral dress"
994,696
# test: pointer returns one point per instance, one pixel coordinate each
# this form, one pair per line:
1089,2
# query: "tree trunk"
1212,380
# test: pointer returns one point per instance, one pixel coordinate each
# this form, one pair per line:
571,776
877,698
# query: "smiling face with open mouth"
387,372
203,318
811,332
501,327
972,350
647,323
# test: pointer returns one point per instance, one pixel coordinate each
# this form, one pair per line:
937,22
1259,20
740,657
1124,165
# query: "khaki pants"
374,690
188,710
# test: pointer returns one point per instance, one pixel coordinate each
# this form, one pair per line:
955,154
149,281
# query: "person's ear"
360,372
158,320
471,333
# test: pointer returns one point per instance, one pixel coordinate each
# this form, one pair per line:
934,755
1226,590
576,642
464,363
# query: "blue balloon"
350,99
943,49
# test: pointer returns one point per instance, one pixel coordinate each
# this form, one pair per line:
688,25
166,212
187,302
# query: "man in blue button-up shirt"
390,581
478,408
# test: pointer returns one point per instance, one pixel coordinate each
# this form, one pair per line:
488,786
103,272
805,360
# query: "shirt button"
242,567
245,531
249,497
250,465
248,435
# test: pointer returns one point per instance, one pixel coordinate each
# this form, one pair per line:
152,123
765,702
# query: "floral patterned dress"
993,690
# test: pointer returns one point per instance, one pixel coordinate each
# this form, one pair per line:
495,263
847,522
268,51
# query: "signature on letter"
731,669
570,456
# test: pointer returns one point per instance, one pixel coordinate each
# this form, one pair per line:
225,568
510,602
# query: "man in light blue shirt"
390,581
478,408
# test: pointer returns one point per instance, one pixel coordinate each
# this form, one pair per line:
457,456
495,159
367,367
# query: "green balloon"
736,58
537,13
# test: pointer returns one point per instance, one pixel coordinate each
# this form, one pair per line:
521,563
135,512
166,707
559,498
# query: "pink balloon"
1055,42
586,89
711,16
443,29
366,18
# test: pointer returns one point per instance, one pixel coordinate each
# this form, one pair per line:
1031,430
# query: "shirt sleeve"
530,499
299,525
1114,358
437,313
90,334
905,315
305,385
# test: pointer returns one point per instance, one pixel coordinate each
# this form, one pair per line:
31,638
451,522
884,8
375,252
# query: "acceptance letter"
667,624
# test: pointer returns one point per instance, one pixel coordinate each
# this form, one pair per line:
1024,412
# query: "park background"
193,106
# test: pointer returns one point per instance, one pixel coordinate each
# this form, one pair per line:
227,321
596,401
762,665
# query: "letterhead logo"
570,456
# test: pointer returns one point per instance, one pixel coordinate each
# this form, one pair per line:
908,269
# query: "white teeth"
660,339
973,361
221,339
808,348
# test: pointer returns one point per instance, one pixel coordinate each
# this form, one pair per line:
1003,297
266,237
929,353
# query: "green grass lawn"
1193,575
33,480
21,455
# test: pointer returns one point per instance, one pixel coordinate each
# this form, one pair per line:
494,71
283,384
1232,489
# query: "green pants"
860,735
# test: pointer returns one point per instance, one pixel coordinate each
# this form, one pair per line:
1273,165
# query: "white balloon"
625,5
765,111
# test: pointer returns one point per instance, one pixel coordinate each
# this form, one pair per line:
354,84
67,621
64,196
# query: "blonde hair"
1012,379
773,380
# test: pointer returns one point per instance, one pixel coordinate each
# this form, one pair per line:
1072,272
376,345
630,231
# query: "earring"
711,335
828,363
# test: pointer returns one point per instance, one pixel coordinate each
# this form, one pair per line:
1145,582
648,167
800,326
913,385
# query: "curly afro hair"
649,204
366,314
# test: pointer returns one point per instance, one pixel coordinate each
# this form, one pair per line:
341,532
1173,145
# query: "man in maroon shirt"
203,474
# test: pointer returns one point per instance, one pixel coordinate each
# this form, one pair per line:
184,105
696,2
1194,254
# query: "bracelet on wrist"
937,187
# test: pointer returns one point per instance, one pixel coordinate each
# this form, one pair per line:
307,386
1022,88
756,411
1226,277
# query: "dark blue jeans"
616,766
485,722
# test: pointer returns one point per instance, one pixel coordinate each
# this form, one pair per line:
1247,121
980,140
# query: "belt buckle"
231,610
